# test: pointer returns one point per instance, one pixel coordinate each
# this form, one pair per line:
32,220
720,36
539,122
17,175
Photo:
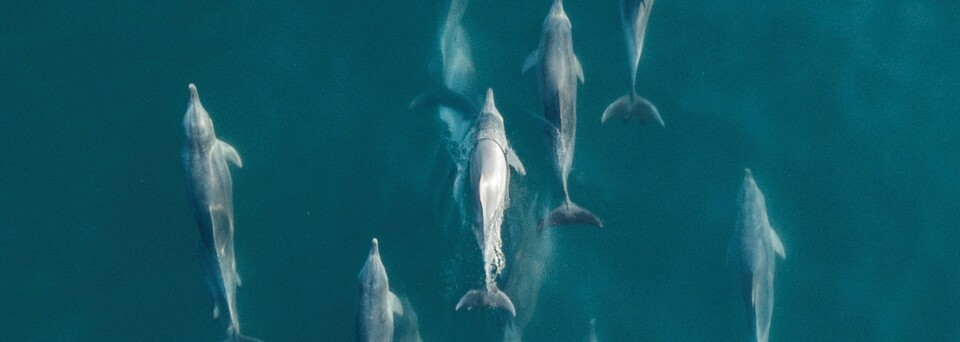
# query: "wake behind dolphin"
205,160
559,71
634,15
490,180
755,245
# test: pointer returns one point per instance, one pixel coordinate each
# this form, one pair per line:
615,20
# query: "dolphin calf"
205,160
490,179
634,14
755,244
377,303
558,71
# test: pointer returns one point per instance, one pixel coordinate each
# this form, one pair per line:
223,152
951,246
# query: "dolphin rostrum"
755,245
634,14
558,73
490,180
205,160
377,303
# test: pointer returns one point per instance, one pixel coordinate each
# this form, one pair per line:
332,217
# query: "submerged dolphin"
634,14
377,303
205,160
453,107
755,245
558,71
592,335
490,179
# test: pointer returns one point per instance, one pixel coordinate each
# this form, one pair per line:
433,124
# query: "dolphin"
377,303
755,244
490,180
559,70
634,15
205,160
454,108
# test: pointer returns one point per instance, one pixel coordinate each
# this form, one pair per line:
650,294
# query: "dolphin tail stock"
242,338
569,213
632,105
446,98
492,298
236,336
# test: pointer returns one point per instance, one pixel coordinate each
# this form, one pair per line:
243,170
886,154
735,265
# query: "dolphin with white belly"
559,71
490,180
634,15
206,161
755,246
377,303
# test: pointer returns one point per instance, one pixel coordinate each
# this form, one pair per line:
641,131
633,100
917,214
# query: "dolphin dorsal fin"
230,153
577,68
776,243
395,304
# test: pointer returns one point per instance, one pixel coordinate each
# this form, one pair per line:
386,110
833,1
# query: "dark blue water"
848,114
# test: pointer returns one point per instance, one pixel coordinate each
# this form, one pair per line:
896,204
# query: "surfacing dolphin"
755,245
558,73
205,160
377,303
634,14
454,108
490,179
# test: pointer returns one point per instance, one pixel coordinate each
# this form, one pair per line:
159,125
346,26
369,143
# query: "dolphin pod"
478,143
755,246
634,15
205,160
558,73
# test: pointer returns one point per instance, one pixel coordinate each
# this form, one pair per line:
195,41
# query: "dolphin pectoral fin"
230,153
531,60
514,162
777,244
395,304
569,214
577,68
216,311
631,105
444,97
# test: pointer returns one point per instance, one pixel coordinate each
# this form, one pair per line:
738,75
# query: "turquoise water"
847,113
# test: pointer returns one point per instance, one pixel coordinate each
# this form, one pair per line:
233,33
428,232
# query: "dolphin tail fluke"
487,298
569,214
631,105
444,97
